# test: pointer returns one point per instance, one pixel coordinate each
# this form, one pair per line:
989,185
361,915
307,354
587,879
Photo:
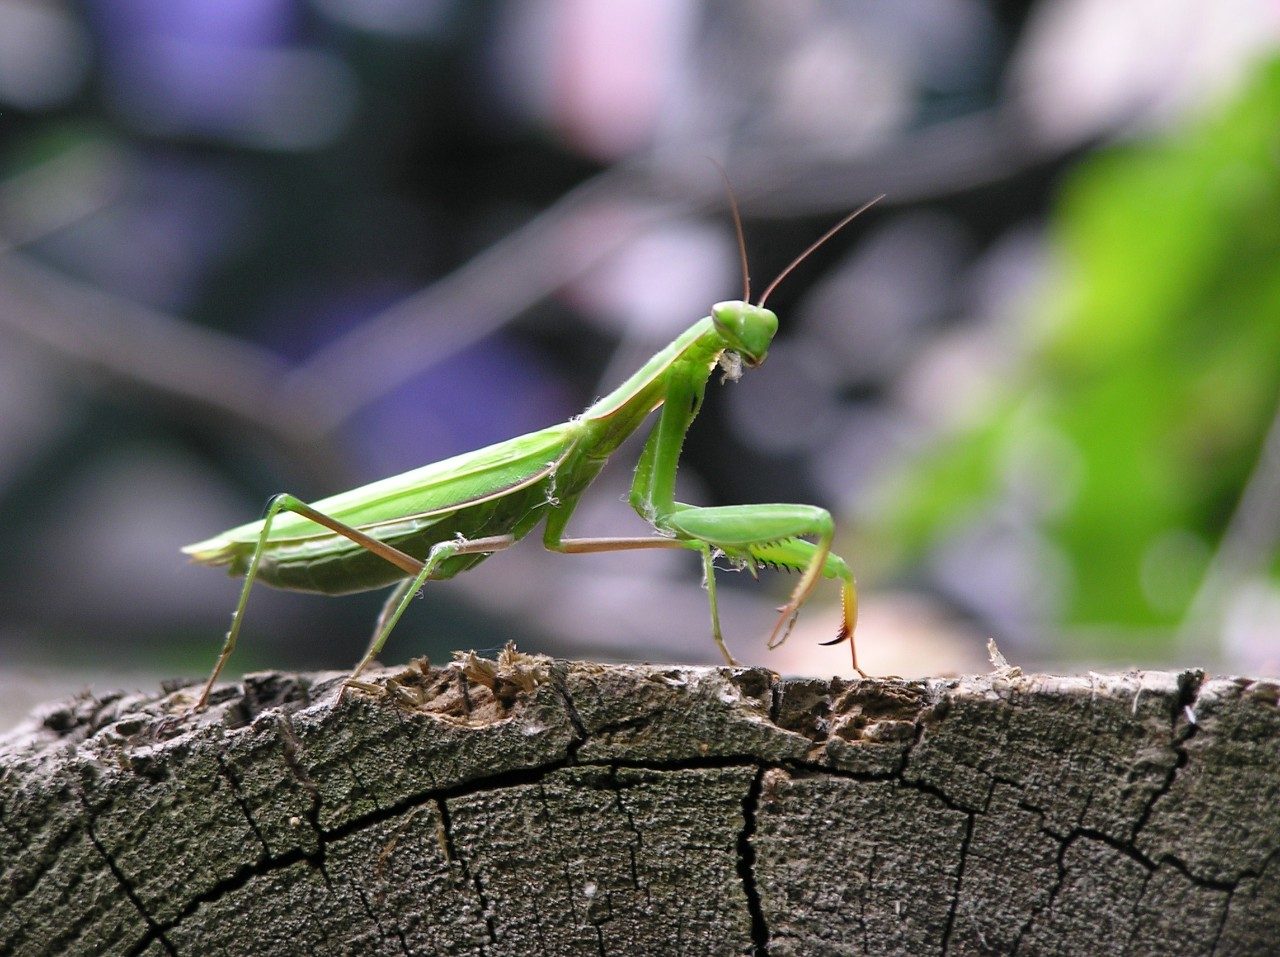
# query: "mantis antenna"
737,226
815,245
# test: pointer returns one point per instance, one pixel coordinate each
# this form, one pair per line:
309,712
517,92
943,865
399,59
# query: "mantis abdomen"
328,564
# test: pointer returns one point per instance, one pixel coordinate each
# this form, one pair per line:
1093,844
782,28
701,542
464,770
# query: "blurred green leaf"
1156,379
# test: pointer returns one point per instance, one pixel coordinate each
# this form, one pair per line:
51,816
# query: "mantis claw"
849,605
843,635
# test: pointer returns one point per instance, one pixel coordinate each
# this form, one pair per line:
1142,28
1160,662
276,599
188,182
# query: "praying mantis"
439,520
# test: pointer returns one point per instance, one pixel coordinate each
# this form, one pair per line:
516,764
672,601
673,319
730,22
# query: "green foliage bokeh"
1143,408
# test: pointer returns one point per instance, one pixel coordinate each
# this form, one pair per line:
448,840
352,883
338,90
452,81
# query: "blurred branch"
473,301
942,159
88,327
63,190
509,277
104,332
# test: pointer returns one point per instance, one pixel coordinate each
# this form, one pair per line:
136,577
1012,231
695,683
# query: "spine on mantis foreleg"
795,554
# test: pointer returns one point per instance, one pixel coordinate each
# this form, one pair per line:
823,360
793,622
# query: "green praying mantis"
441,519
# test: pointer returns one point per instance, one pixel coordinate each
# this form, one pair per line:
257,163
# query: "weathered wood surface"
582,808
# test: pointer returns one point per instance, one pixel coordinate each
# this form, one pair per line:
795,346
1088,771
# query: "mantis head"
747,329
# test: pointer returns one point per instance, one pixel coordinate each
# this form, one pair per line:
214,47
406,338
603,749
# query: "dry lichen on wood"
527,805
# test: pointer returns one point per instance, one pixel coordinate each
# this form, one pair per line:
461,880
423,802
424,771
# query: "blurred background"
249,246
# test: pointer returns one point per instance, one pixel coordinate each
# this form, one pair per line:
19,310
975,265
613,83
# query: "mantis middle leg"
555,541
403,593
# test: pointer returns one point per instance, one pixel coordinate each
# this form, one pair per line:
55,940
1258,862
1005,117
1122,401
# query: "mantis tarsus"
441,519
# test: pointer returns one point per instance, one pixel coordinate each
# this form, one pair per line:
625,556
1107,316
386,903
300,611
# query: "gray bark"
566,807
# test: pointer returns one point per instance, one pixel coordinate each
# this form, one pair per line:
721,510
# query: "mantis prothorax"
436,521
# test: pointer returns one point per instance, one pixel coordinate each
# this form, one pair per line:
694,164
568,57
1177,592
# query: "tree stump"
531,806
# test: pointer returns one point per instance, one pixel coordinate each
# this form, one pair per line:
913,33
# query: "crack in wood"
237,795
747,863
452,854
537,775
955,895
1189,684
156,933
571,712
617,787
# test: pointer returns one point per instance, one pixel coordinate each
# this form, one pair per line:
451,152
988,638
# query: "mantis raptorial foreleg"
800,555
770,535
754,534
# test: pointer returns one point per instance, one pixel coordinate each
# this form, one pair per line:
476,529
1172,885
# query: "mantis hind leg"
279,503
555,541
772,535
389,606
284,502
